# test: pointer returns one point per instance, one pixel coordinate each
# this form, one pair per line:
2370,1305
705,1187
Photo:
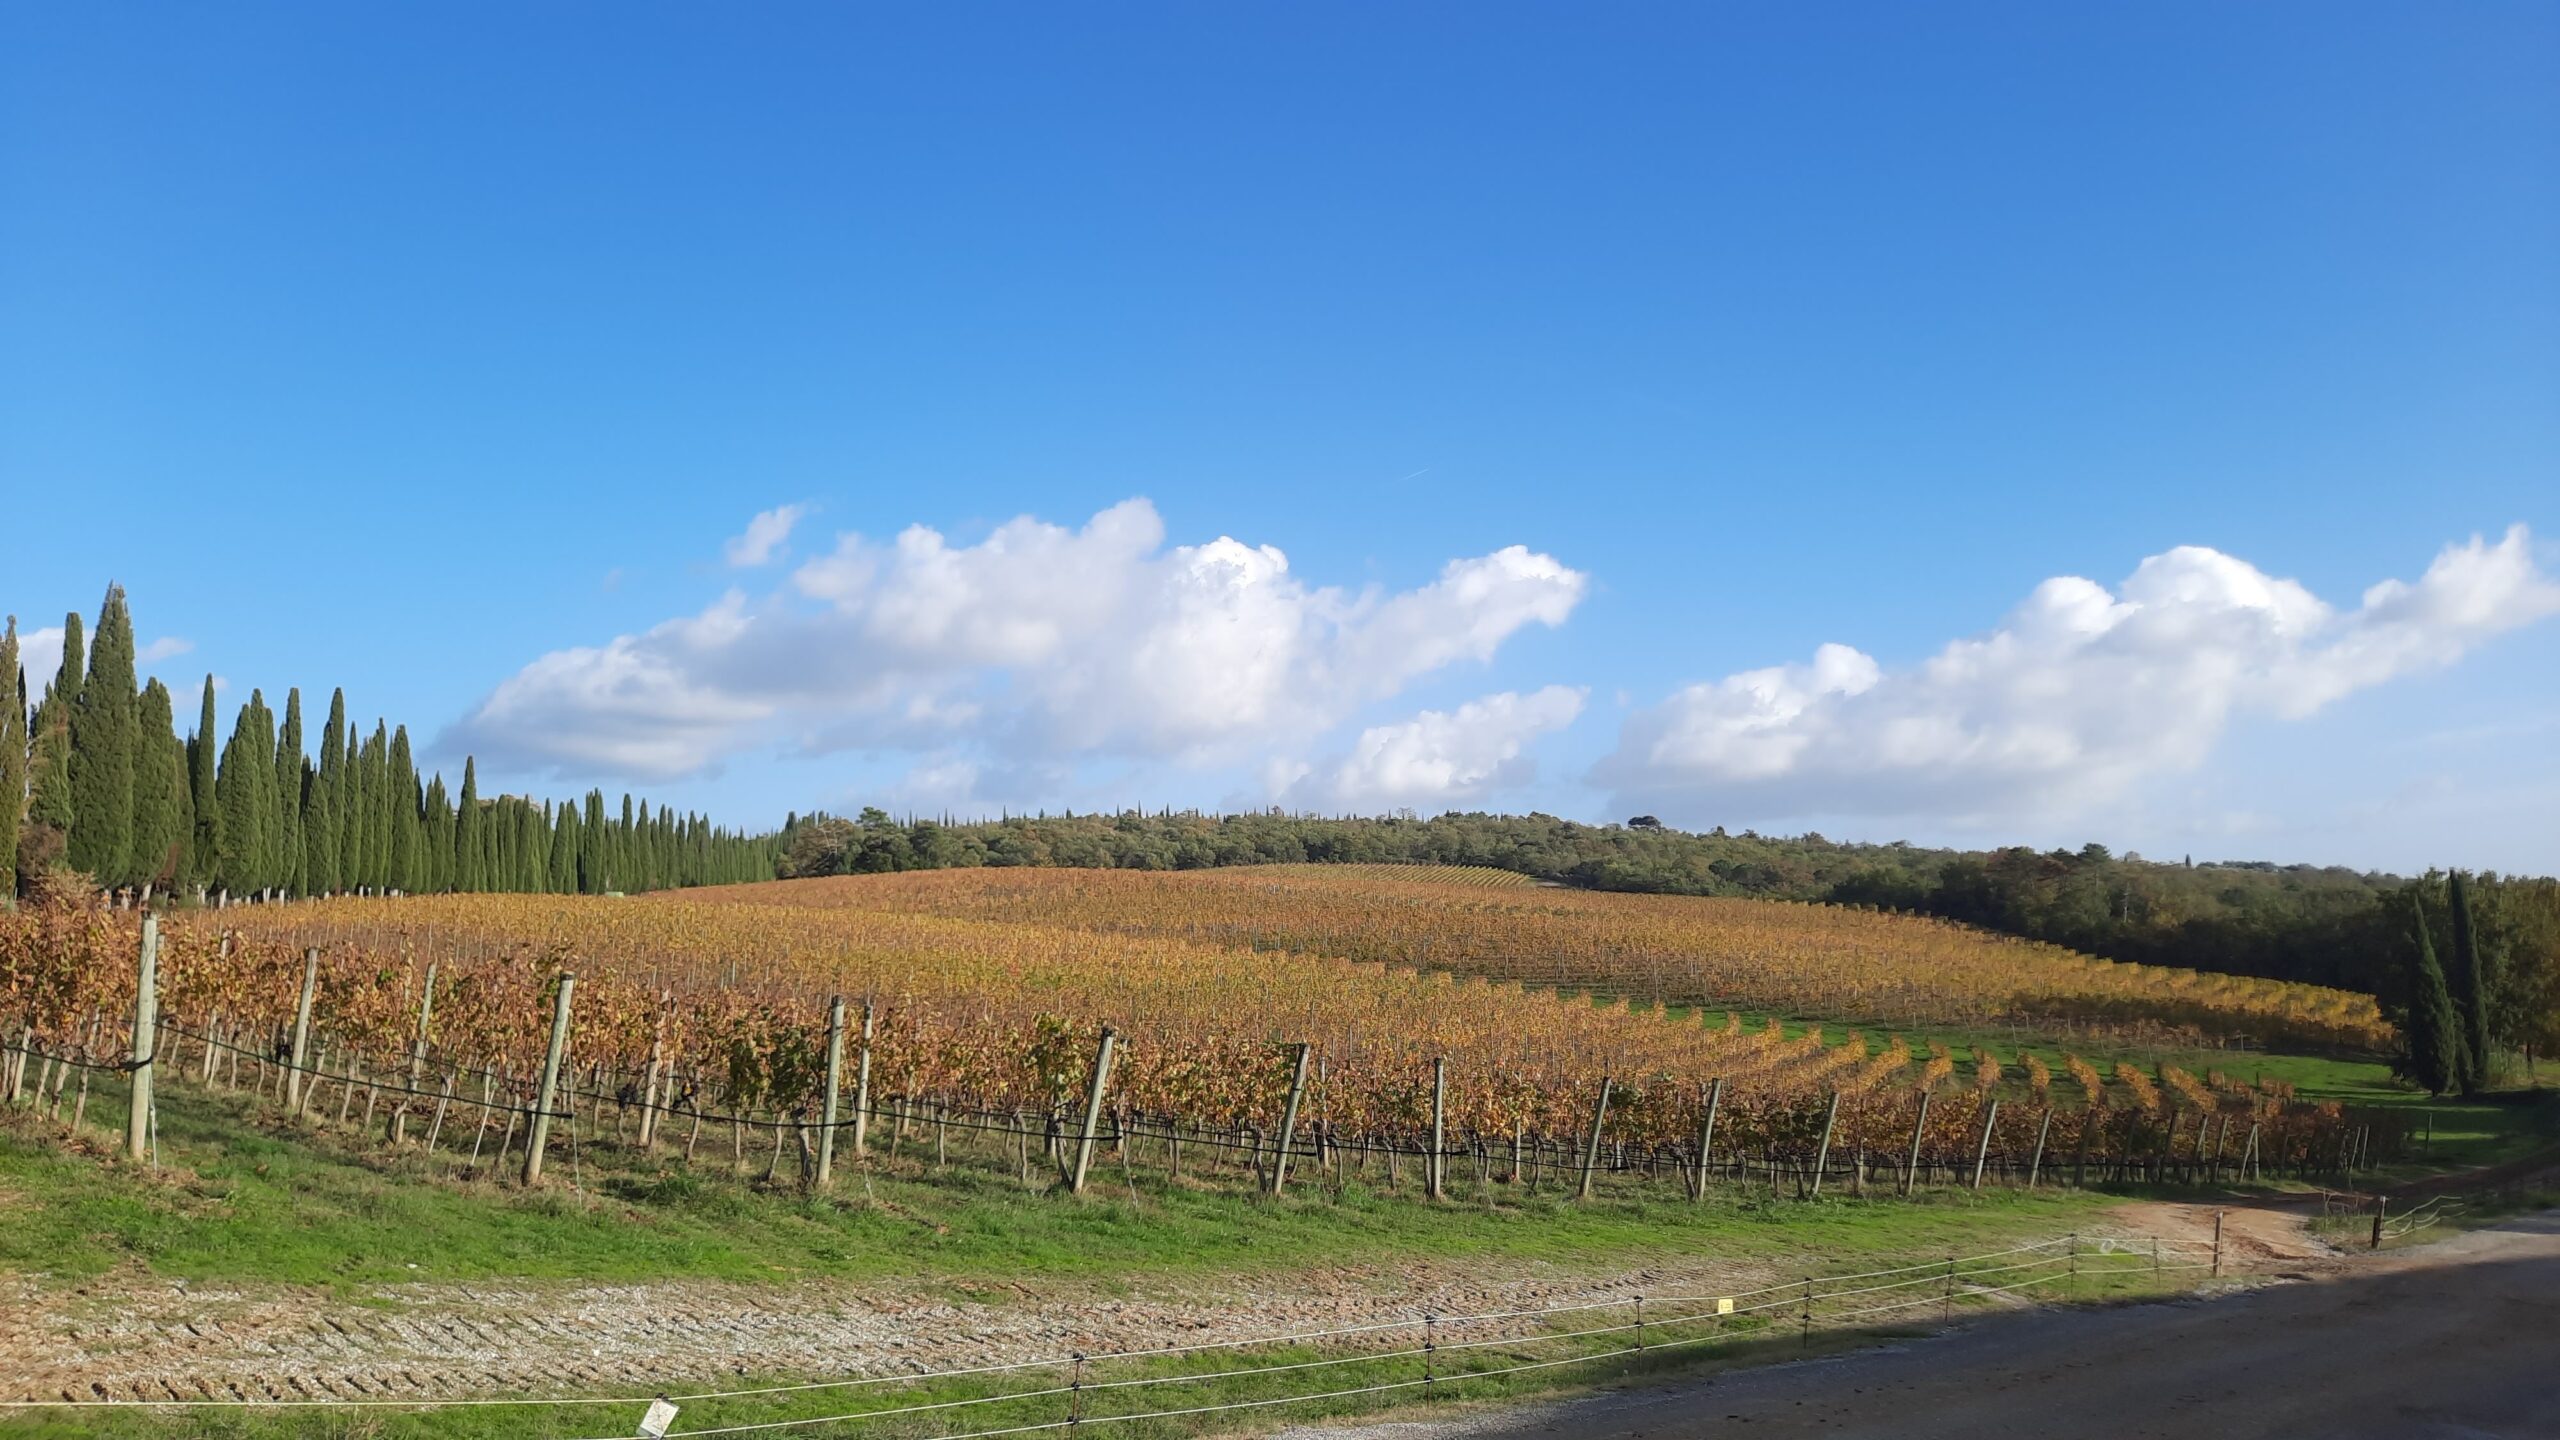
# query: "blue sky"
441,354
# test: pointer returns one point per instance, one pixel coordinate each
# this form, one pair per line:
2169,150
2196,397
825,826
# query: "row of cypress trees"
94,776
2447,1034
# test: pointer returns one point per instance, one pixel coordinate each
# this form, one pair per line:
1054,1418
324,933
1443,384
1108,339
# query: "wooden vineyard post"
146,1036
1707,1134
417,1057
1911,1170
1982,1152
2249,1157
862,1085
1591,1150
1092,1111
1440,1128
1289,1120
2035,1167
2217,1244
835,1087
300,1055
1822,1152
657,1071
539,1133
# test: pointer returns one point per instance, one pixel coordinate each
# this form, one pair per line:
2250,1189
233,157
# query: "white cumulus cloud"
1439,758
763,536
2079,694
1040,642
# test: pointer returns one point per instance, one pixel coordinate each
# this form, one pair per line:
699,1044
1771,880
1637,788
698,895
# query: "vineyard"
1186,1024
1757,955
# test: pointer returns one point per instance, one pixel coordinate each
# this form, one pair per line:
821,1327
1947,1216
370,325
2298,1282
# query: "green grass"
244,1194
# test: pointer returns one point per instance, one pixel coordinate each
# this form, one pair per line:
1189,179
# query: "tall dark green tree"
2470,983
2434,1057
245,794
322,843
13,758
401,871
467,820
435,839
204,847
163,815
374,763
103,742
289,765
66,676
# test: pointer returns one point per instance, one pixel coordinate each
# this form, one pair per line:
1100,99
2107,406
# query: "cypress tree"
322,845
290,782
2434,1039
563,877
162,813
66,678
375,762
204,848
13,758
466,831
243,792
401,872
2470,982
102,752
592,838
435,839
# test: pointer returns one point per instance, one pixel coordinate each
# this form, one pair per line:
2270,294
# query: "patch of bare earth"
134,1338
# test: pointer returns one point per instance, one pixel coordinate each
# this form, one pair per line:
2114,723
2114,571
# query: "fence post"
2217,1244
417,1057
2381,1206
862,1085
1911,1170
835,1085
301,1053
1092,1111
1707,1133
1289,1120
146,1039
540,1132
1436,1177
1591,1151
2035,1167
1982,1152
1822,1152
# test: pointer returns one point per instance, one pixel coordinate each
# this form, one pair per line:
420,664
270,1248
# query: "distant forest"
2330,926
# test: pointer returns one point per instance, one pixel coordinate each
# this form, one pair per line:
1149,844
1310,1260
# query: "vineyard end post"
1289,1120
835,1087
301,1052
1591,1150
1436,1178
146,1036
2217,1244
1982,1151
1822,1152
1092,1110
540,1133
862,1085
1911,1170
417,1056
1707,1134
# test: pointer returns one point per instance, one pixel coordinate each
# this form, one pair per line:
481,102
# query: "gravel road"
2457,1339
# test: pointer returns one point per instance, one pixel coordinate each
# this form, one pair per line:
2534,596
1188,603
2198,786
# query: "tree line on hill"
95,779
2324,925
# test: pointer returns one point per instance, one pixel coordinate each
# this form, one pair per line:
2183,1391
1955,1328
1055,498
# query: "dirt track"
2449,1340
